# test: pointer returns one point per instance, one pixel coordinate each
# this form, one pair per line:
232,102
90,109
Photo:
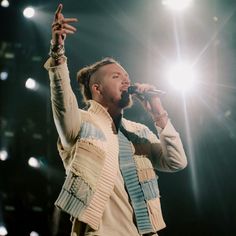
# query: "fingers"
64,31
145,103
69,20
58,26
59,16
69,27
58,11
61,26
142,88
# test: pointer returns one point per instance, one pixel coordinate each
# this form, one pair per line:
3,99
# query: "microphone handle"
145,95
155,92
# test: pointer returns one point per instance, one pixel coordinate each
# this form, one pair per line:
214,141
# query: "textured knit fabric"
89,148
117,219
130,176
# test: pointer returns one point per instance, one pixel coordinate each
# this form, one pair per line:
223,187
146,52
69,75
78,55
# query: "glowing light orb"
181,76
29,12
31,84
3,230
177,5
5,3
3,156
33,162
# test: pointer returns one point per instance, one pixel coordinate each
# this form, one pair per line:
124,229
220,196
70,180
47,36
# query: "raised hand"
61,27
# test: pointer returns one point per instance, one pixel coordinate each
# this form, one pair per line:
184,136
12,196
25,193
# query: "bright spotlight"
33,162
29,12
31,84
177,5
5,3
181,76
3,230
33,233
3,156
3,75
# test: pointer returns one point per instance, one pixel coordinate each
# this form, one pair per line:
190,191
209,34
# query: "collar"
98,109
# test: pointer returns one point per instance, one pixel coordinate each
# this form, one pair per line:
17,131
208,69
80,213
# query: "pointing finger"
58,11
59,8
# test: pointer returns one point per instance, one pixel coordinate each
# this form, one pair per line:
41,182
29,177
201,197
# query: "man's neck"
116,115
115,112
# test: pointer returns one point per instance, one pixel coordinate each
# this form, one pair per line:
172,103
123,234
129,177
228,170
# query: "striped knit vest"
135,192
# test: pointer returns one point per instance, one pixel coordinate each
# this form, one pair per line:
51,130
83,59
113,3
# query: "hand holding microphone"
150,98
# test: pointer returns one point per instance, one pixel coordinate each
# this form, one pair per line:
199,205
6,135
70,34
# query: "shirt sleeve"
66,113
169,154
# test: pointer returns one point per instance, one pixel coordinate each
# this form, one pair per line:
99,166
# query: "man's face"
114,82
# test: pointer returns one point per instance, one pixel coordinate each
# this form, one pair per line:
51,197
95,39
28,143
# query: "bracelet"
56,51
161,119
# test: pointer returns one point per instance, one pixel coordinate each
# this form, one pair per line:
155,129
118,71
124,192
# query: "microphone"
145,95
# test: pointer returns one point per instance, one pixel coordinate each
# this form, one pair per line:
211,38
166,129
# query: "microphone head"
132,89
144,95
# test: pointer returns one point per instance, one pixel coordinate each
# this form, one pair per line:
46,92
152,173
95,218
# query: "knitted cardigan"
89,148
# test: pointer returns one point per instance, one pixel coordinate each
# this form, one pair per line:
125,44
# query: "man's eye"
115,76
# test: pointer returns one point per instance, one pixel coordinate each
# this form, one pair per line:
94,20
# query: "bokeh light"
33,162
5,3
29,12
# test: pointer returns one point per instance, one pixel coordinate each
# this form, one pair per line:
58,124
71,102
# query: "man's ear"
96,89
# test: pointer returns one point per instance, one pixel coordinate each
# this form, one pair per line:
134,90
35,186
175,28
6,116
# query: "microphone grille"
132,89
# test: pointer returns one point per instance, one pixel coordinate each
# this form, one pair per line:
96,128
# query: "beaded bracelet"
56,51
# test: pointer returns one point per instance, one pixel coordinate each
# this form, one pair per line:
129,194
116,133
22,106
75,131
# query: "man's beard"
126,100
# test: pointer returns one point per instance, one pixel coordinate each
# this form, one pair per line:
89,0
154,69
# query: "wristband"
56,51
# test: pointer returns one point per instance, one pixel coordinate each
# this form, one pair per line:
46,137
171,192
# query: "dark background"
145,37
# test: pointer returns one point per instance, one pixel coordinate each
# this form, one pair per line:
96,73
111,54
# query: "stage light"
3,230
3,75
3,156
5,3
33,233
177,5
181,76
31,84
29,12
33,162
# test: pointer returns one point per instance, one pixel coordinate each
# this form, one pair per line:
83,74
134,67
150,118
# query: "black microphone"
145,95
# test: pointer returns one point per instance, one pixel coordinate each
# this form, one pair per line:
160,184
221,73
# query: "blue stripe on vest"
129,173
89,130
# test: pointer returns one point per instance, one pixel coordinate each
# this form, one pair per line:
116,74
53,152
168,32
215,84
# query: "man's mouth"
124,89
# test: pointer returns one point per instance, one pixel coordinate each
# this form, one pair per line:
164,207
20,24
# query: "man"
111,187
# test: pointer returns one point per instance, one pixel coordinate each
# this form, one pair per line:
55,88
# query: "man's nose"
126,80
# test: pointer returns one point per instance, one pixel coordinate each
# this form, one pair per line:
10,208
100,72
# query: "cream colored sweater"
89,149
